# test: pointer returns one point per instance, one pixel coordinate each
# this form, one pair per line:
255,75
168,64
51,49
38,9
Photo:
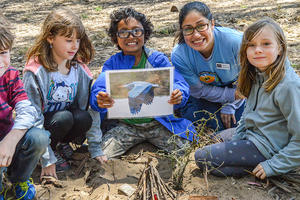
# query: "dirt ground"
95,181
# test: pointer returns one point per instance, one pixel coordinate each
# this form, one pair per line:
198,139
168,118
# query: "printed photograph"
140,93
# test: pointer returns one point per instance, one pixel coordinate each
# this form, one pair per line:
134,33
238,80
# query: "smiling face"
200,41
64,48
263,49
131,45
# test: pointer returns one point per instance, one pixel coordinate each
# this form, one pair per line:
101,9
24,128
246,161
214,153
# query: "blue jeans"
193,105
28,152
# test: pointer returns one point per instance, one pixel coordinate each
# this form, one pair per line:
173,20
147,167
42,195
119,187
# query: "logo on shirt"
208,77
60,95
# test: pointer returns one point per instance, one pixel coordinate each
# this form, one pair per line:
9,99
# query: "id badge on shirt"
223,66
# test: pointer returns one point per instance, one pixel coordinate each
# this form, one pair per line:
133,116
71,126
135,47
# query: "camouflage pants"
122,137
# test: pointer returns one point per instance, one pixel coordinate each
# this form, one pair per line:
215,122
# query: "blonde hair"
275,72
6,37
61,22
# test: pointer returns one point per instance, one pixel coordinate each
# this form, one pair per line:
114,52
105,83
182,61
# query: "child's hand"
259,172
238,95
7,151
176,97
226,119
49,171
104,100
102,159
8,146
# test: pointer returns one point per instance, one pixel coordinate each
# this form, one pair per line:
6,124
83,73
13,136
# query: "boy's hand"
8,146
49,171
176,97
259,172
104,100
102,159
7,151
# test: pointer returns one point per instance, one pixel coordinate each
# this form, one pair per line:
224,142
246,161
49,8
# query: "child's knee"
202,156
38,139
63,119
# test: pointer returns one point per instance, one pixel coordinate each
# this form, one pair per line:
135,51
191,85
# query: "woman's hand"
176,97
259,172
238,95
226,119
49,171
104,100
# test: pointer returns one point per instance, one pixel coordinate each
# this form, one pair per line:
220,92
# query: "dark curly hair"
126,13
185,10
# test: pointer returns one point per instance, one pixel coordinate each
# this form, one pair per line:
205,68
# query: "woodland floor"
95,181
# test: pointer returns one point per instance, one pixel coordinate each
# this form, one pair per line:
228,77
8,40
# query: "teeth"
131,43
198,41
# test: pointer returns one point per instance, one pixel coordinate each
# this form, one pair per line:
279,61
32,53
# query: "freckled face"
131,45
200,41
263,49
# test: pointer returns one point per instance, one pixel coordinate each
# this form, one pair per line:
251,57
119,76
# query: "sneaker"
61,163
25,190
2,194
65,150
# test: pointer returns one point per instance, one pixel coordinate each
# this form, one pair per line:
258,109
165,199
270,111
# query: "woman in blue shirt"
206,56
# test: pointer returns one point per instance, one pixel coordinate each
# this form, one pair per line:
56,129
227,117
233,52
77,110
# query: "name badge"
223,66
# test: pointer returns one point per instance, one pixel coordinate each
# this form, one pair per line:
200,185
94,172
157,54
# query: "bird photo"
140,93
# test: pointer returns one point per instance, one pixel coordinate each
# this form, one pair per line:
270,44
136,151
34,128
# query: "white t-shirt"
62,90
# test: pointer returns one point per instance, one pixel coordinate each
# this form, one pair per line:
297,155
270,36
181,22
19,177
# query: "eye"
3,52
122,31
251,45
188,29
138,32
266,43
201,27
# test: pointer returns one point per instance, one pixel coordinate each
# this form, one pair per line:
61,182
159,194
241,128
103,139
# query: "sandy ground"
95,181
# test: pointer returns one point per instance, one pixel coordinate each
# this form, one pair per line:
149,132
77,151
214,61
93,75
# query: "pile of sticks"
151,186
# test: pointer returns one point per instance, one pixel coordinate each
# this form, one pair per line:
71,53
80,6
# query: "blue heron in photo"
140,92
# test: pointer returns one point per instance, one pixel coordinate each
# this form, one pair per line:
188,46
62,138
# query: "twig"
144,183
80,168
280,185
